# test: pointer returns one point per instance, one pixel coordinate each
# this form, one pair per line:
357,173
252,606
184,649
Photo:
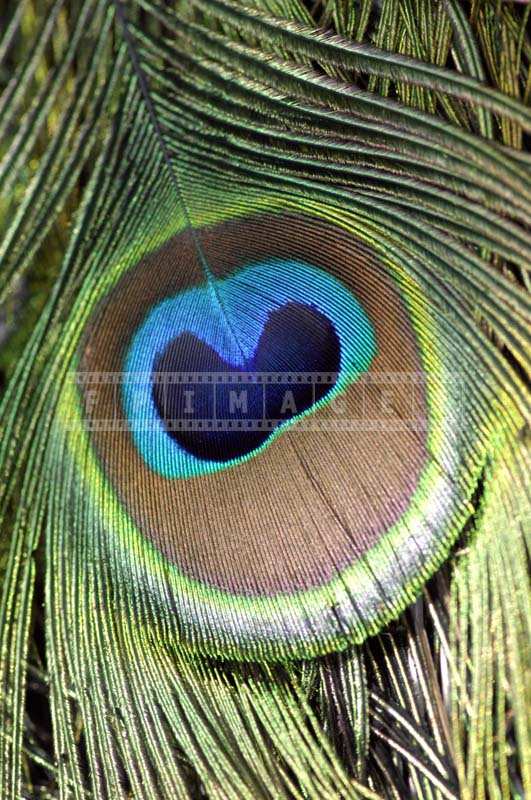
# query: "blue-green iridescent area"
243,585
229,316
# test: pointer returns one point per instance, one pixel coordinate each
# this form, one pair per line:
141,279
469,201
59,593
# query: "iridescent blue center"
217,371
231,409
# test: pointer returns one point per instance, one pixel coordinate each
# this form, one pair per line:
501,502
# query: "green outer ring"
260,609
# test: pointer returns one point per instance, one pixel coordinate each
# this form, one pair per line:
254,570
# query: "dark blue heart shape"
219,419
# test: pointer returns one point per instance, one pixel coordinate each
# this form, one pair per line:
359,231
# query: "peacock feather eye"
272,422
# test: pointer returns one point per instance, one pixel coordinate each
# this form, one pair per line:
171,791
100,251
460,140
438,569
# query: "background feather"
120,125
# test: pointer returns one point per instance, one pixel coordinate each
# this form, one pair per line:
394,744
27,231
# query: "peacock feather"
264,446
